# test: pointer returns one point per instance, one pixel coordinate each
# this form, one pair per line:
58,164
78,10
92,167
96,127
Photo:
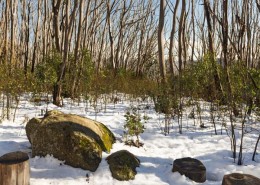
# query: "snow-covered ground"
156,156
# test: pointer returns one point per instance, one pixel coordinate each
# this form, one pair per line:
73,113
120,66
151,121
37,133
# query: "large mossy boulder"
74,139
240,179
122,165
191,168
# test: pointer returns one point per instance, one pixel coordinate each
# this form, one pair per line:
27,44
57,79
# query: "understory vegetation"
193,91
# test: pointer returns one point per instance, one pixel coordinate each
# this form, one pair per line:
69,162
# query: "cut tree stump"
240,179
14,169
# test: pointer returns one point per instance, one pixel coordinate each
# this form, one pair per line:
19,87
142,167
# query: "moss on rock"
122,165
76,140
108,138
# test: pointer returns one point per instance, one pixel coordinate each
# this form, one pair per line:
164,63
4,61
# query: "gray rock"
76,140
122,165
191,168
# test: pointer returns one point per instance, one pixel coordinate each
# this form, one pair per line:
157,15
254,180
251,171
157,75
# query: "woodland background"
196,49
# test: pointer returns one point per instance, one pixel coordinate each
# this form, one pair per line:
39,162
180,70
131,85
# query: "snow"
156,156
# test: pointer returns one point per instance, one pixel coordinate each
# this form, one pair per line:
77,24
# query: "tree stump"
14,169
240,179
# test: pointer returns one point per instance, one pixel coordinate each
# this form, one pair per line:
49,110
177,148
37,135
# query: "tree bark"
193,31
211,49
111,39
183,9
253,158
36,36
76,51
13,20
69,18
6,31
161,41
171,61
56,10
101,48
27,38
14,169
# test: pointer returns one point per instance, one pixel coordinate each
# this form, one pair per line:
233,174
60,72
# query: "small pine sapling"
134,126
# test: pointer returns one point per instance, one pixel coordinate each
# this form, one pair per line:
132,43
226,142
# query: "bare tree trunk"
27,38
76,52
57,90
57,86
171,61
85,35
233,136
45,30
138,67
6,31
36,36
12,11
193,31
180,40
55,11
253,158
22,31
225,34
101,48
240,154
112,62
211,49
225,55
161,41
184,43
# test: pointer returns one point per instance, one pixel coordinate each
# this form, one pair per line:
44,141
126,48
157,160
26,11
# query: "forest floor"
156,156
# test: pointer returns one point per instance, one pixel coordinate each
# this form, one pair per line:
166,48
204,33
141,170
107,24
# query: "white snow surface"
156,156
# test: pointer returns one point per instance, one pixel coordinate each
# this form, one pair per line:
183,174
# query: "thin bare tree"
161,41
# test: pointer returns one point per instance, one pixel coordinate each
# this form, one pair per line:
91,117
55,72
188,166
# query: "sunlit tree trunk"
171,60
69,18
77,47
180,35
6,31
56,11
211,49
27,38
36,35
111,39
161,41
